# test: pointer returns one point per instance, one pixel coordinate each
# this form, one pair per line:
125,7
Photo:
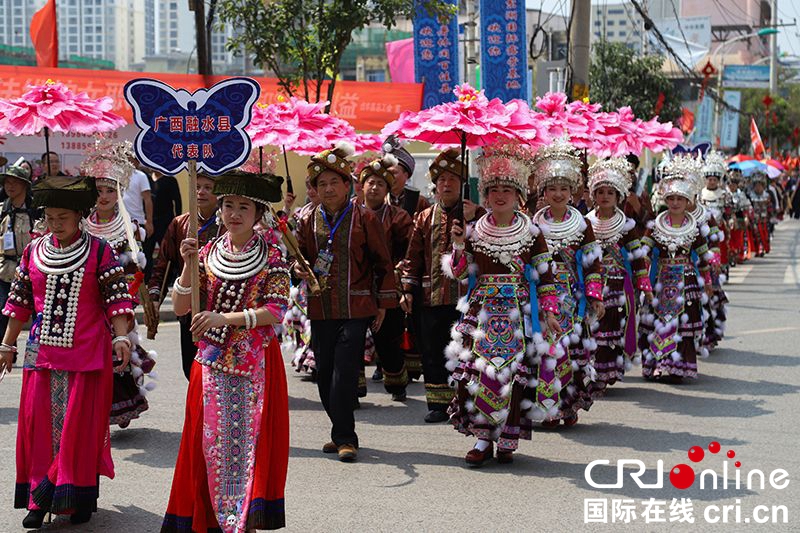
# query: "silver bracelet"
246,319
180,289
122,338
8,348
457,246
251,320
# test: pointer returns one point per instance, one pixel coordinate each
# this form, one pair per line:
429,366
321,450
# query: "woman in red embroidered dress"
231,467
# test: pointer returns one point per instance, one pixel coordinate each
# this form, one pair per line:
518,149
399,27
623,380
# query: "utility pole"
579,48
773,50
470,38
203,64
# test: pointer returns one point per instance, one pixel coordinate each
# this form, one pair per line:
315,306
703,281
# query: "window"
610,34
376,75
596,22
610,23
623,22
616,11
622,33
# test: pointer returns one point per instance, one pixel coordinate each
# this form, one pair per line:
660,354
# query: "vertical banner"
729,132
704,121
435,55
504,60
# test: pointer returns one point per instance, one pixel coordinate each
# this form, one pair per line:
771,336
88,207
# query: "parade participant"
637,207
16,224
671,325
710,208
74,287
762,209
231,468
624,269
402,172
565,388
422,269
297,326
377,179
170,261
108,163
413,202
495,348
346,244
741,241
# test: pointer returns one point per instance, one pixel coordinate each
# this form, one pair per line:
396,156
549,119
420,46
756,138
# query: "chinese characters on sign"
624,511
435,56
504,64
206,126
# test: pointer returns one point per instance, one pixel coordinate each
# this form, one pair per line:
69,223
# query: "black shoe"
34,519
435,416
377,375
80,517
399,396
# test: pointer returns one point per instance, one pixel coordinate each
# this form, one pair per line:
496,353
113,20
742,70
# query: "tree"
783,116
302,41
618,77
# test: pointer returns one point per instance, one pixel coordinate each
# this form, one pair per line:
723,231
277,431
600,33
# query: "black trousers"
434,338
339,351
188,347
387,347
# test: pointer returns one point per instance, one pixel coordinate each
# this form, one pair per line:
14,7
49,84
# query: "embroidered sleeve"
546,288
275,295
592,265
20,299
113,285
411,266
705,257
457,269
638,255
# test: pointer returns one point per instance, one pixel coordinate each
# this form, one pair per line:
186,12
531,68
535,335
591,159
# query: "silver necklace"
502,243
675,238
112,231
562,234
52,260
608,231
226,264
700,214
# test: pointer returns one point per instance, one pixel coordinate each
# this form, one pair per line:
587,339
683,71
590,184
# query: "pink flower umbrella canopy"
298,126
471,121
54,107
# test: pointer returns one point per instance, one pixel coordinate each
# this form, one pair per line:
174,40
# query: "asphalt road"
410,476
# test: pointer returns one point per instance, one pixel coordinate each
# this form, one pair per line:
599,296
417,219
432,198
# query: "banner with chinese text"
435,55
504,64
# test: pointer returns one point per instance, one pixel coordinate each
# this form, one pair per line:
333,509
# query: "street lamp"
760,33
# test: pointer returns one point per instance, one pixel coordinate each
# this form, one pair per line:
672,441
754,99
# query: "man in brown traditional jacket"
422,266
346,246
376,179
169,262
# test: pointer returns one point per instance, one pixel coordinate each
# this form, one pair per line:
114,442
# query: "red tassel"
407,342
138,278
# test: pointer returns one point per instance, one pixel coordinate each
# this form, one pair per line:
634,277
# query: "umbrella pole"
464,172
289,188
47,147
260,159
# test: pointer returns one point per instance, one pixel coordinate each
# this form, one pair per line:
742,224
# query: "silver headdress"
614,172
558,162
110,161
715,165
505,163
682,176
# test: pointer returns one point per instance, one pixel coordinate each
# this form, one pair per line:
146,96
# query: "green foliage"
302,41
784,114
618,77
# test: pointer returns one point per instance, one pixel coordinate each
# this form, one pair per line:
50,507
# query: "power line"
691,74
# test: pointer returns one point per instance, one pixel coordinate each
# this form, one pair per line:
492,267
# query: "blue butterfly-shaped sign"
700,148
206,125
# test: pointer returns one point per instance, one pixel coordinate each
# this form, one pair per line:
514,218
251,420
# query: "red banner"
366,105
755,140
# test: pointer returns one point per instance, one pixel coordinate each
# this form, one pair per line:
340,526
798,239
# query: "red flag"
44,34
755,140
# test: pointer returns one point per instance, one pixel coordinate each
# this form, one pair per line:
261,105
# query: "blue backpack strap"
654,266
533,281
626,261
581,285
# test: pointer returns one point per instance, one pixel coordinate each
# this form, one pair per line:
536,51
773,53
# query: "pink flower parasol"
298,126
471,121
368,142
54,107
